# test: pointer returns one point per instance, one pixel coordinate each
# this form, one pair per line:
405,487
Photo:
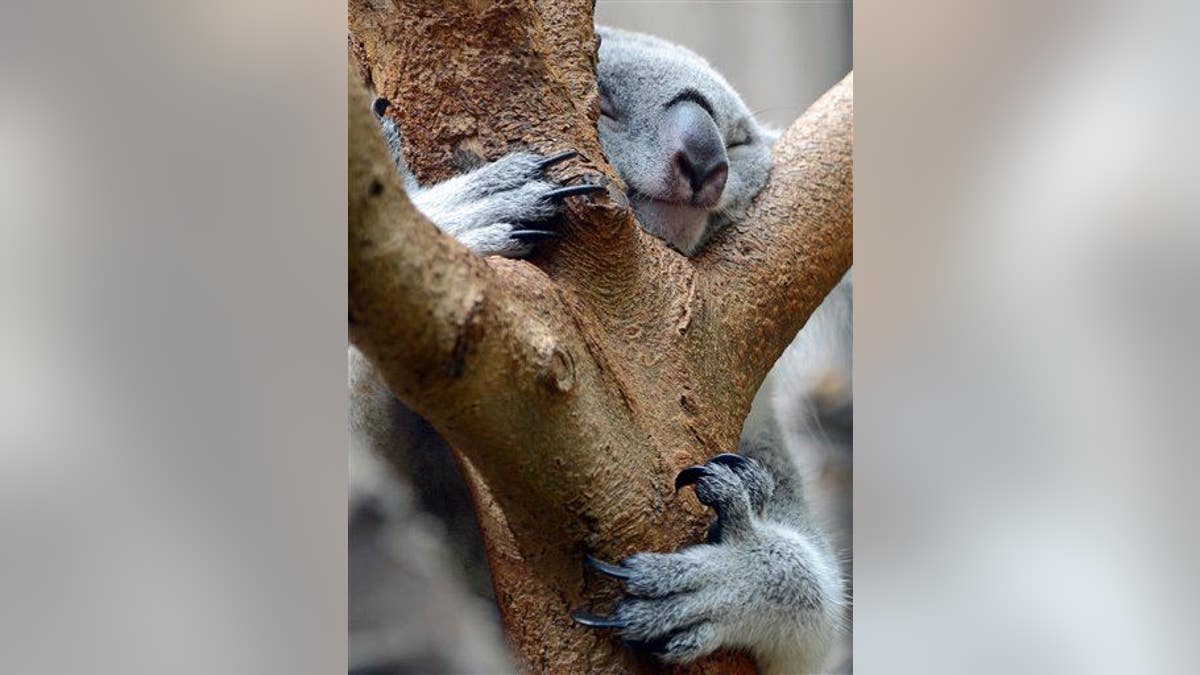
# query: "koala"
693,157
687,147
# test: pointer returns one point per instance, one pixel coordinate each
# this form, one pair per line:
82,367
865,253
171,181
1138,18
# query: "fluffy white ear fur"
771,134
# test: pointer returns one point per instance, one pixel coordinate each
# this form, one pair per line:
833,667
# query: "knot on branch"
556,370
467,331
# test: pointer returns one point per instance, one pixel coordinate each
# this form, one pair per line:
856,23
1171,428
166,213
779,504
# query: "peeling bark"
573,386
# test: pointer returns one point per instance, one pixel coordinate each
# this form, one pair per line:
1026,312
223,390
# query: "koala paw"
502,208
758,585
735,487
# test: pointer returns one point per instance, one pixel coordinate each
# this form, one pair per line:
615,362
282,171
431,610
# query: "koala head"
689,150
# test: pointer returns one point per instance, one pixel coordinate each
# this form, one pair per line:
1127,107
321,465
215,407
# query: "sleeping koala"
693,158
690,152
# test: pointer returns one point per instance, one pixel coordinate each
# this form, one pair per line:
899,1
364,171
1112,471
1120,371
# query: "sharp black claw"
730,460
532,236
655,647
555,159
608,569
572,190
553,221
380,106
595,621
689,476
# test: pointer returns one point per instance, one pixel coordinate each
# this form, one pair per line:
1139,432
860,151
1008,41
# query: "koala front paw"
502,208
736,487
759,585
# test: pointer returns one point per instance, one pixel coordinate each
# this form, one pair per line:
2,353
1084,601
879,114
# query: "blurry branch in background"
573,389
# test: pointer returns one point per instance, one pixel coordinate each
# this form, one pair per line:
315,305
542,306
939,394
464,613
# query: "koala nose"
705,174
697,153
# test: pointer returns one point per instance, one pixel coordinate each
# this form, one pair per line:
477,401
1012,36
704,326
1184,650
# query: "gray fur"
482,208
770,582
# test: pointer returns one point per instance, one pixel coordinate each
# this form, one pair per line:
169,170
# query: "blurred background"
1027,258
172,268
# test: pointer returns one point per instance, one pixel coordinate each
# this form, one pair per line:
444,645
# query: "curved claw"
596,621
531,236
555,159
553,221
656,647
689,476
731,460
607,569
573,190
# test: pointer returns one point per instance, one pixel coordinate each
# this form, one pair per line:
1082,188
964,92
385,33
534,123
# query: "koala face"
687,147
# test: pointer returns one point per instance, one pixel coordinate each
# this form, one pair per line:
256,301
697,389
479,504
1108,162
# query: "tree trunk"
573,386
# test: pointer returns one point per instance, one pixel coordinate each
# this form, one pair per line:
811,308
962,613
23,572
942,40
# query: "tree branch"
488,353
415,294
765,275
573,388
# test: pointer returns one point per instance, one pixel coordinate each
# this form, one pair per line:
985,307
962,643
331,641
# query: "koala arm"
768,579
502,208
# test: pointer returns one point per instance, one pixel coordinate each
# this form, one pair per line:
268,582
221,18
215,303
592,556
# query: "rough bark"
573,386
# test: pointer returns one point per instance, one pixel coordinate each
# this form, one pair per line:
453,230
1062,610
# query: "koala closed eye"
740,134
737,142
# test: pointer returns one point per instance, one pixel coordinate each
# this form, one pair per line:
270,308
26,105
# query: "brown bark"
574,386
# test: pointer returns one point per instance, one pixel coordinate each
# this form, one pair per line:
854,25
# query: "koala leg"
758,584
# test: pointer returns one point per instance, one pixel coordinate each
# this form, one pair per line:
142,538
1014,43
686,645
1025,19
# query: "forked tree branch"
573,388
